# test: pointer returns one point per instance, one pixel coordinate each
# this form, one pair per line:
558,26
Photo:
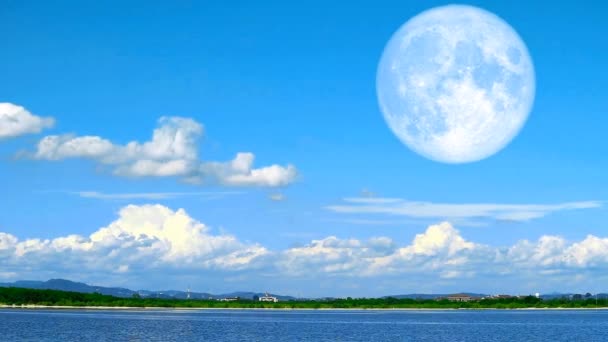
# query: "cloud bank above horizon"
146,241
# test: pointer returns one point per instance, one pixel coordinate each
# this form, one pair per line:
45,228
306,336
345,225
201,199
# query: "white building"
268,298
229,299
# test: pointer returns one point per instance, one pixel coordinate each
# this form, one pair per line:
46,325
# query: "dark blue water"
265,325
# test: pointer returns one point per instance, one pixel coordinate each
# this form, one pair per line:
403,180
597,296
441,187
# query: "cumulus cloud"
414,209
554,252
240,172
171,152
143,238
439,249
149,240
441,252
16,120
330,256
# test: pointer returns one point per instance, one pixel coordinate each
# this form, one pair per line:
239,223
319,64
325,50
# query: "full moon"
456,84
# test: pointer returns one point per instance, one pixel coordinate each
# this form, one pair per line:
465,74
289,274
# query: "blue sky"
293,84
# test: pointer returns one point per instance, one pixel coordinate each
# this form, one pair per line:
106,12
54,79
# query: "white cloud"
16,120
439,248
173,145
7,243
240,172
554,252
55,147
508,212
331,256
143,238
441,252
151,240
172,152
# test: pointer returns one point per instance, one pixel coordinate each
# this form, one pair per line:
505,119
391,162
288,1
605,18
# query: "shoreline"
151,308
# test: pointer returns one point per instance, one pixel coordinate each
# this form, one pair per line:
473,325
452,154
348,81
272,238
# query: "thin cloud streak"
277,197
415,209
372,222
153,195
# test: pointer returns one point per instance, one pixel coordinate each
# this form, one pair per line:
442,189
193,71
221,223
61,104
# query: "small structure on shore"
461,297
230,299
499,296
268,298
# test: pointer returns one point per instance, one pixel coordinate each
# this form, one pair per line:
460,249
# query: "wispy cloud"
372,200
415,209
371,222
277,197
153,195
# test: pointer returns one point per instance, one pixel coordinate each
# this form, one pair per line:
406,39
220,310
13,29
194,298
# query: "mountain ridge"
69,285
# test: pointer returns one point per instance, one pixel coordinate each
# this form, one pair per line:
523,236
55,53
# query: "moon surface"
456,84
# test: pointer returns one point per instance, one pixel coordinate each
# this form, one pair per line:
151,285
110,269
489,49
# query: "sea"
303,325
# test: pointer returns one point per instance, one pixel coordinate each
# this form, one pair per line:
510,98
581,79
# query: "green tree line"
22,296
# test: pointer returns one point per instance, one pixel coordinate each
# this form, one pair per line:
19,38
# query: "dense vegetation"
21,296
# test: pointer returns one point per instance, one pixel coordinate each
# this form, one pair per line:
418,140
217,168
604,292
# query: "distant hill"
548,296
204,295
557,295
68,285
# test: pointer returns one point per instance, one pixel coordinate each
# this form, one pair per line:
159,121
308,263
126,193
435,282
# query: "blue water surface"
302,325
